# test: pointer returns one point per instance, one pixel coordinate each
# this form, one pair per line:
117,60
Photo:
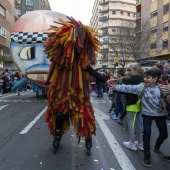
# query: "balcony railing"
104,17
105,34
104,9
104,50
102,2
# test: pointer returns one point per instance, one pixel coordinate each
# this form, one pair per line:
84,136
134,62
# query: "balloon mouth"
37,76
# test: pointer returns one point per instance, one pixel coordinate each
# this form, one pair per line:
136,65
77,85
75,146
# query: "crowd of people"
8,79
140,95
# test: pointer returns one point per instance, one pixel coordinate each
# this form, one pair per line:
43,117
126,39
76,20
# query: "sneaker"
129,145
112,113
114,117
156,146
139,145
147,160
120,121
166,158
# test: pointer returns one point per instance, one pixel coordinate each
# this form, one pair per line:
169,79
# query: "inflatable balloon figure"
27,45
71,49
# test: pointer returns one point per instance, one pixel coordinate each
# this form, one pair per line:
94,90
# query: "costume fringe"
69,82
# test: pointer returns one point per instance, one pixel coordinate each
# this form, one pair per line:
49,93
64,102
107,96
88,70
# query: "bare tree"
130,41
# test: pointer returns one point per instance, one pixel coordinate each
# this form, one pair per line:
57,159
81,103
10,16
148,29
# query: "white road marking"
120,155
28,127
1,107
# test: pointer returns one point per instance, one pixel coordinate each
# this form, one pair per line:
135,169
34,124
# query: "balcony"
103,2
106,9
104,50
105,34
105,17
103,26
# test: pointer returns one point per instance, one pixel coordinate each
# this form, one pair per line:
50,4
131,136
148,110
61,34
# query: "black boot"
57,139
147,159
156,146
88,145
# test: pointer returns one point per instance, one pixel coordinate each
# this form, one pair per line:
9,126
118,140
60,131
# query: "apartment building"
8,16
25,6
106,16
157,13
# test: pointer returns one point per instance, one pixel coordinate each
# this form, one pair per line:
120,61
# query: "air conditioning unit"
18,1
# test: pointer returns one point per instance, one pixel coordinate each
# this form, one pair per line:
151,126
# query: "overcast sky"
78,9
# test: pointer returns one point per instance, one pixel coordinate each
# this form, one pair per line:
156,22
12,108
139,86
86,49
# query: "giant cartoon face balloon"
27,43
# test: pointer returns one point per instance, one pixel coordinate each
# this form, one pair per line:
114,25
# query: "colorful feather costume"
71,49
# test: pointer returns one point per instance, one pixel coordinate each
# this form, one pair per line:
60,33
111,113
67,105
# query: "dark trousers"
119,108
162,127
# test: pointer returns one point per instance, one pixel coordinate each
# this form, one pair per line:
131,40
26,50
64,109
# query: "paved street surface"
25,142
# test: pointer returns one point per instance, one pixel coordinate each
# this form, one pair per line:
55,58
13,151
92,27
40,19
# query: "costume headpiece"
72,41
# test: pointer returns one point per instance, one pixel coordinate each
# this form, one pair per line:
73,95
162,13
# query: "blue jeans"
99,90
0,88
161,125
119,108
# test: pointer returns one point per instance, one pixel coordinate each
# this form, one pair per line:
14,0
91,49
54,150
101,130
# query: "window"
3,32
153,46
113,21
113,30
105,32
114,12
29,3
106,24
153,14
19,12
165,44
121,12
114,4
128,14
2,11
165,26
166,8
153,30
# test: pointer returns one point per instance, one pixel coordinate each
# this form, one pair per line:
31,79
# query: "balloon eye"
27,53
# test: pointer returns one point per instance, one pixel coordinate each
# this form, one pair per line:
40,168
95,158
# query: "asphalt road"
26,144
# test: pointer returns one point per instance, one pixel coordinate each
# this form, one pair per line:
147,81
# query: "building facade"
157,13
8,16
25,6
106,16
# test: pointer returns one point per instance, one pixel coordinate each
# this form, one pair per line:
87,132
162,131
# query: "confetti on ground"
35,156
74,145
95,160
41,163
81,140
72,135
80,146
112,169
97,146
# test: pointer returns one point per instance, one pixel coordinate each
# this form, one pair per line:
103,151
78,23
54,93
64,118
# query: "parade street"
26,144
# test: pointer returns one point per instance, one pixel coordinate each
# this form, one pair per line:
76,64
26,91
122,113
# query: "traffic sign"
116,59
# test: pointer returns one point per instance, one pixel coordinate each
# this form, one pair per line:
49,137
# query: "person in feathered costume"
71,49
